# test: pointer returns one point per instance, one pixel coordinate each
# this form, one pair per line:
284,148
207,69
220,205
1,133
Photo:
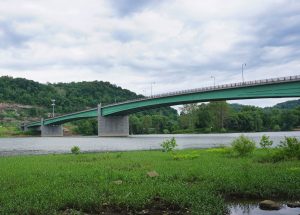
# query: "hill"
23,100
288,104
69,96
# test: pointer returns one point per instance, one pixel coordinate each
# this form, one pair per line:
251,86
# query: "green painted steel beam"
71,117
279,89
66,118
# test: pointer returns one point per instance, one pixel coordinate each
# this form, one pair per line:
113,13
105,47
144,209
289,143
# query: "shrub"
207,130
289,148
265,142
243,146
169,145
166,131
75,150
223,130
276,128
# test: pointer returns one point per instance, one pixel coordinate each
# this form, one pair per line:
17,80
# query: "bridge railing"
217,87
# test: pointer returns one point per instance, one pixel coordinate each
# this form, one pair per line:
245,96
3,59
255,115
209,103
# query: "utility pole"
243,65
53,105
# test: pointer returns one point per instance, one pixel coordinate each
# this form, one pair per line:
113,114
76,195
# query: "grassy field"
198,182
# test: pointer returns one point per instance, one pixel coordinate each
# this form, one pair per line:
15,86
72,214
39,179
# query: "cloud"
178,44
10,37
128,7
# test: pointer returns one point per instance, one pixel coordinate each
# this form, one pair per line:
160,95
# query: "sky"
175,44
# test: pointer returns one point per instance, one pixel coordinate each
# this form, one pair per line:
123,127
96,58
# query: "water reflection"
252,208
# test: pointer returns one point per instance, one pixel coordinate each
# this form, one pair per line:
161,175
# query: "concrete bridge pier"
51,130
112,126
24,127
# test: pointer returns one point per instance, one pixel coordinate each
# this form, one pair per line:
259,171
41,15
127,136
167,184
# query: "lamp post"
214,80
243,65
152,88
53,105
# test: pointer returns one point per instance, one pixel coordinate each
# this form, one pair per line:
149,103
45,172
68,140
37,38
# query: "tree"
204,119
135,125
87,127
220,111
146,123
288,120
190,110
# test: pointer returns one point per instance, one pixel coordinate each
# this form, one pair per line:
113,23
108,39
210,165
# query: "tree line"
212,117
219,116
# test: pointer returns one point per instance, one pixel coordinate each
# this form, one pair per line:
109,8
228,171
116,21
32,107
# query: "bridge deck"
267,88
217,87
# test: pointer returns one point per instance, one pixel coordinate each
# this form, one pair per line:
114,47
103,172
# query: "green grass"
6,131
15,131
52,183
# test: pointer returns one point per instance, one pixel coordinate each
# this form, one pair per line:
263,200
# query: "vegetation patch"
75,150
118,183
265,142
243,146
289,149
185,156
169,145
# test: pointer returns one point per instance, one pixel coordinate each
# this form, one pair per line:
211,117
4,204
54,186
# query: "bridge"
113,119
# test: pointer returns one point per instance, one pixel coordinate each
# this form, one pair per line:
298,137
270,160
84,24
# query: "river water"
252,208
46,145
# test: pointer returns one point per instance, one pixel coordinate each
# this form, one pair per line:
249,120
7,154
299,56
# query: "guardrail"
214,88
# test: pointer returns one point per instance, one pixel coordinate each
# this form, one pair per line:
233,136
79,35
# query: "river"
48,145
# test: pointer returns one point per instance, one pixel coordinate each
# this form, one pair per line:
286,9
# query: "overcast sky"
178,44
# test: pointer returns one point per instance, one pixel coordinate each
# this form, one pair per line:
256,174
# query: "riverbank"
201,181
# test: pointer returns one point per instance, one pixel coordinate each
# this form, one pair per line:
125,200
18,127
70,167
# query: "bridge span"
113,119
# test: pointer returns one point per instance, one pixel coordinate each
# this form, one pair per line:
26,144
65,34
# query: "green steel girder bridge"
113,119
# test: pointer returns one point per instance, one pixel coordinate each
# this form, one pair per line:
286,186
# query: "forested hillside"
69,96
288,104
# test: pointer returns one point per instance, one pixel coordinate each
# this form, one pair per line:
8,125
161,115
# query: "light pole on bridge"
243,65
53,105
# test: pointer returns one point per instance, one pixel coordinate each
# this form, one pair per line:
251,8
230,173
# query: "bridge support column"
51,130
112,126
24,127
